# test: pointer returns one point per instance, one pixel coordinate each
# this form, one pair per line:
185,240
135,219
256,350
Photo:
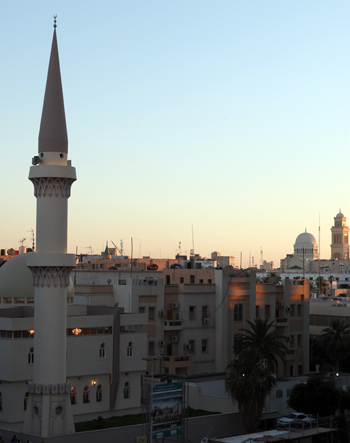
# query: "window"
31,356
192,313
205,312
86,395
299,310
167,277
73,395
204,346
130,350
142,310
151,313
291,343
192,279
127,390
30,300
300,343
151,350
267,311
257,311
192,344
18,300
300,369
292,310
26,399
209,280
238,313
291,371
103,351
181,280
99,393
200,280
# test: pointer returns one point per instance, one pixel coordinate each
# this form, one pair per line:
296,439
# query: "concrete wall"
213,426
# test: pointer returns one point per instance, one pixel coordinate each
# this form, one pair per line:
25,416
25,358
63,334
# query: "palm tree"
330,280
265,341
249,382
322,285
336,341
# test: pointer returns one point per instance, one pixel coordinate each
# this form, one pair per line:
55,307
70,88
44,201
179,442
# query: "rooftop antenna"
261,256
250,259
192,240
240,265
116,247
179,248
121,247
22,241
32,238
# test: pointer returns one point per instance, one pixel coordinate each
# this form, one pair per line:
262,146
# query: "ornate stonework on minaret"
340,238
49,409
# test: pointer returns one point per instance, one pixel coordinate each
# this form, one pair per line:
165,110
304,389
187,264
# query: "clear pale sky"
231,116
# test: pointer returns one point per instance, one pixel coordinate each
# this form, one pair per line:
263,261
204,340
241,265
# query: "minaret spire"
53,130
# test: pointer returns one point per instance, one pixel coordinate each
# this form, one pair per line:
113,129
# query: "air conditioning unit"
288,308
187,347
161,313
174,305
174,338
280,303
161,342
206,321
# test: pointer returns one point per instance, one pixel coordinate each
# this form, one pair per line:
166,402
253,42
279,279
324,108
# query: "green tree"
263,338
249,382
315,397
336,341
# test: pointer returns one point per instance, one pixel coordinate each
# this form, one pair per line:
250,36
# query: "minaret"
340,238
49,409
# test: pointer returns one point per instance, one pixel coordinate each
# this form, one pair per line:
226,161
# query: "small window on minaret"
99,393
86,395
31,356
130,350
73,395
103,351
26,398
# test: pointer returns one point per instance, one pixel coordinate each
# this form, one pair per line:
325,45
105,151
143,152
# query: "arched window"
86,395
103,351
99,393
26,398
73,395
31,356
127,390
130,350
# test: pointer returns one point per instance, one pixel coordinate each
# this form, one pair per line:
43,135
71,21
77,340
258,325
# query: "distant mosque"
306,248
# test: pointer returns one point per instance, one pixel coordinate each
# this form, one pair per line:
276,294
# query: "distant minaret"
340,238
49,409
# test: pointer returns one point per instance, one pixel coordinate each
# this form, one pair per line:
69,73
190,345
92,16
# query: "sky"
228,116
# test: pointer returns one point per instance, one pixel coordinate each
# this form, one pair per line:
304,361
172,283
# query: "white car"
296,418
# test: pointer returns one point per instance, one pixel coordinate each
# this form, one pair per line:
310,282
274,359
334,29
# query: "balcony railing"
281,319
172,325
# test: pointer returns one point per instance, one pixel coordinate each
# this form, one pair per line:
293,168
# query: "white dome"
16,278
305,238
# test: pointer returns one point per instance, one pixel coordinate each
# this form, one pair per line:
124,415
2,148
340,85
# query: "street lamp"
152,359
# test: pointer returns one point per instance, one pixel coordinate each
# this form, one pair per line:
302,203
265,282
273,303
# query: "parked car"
295,419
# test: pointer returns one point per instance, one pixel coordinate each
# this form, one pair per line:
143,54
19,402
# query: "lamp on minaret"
49,409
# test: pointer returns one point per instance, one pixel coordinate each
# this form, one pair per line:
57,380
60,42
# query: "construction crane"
120,252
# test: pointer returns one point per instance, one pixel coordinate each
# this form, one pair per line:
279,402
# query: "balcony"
281,319
172,325
181,364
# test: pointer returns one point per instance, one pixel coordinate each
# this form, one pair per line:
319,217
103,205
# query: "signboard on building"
166,413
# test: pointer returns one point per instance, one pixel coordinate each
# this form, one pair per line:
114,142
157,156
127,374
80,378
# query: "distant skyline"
229,116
